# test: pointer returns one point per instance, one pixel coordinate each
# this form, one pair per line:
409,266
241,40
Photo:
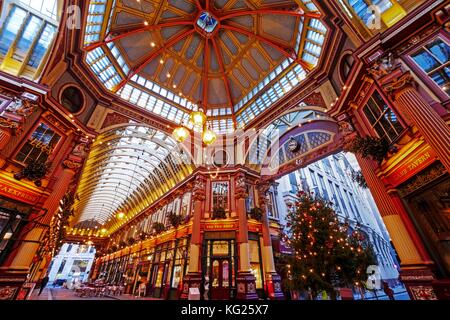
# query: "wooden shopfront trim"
413,158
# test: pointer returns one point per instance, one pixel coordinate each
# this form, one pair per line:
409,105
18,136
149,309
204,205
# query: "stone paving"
50,293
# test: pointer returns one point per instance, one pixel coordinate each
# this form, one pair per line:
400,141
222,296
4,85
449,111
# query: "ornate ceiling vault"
128,169
174,56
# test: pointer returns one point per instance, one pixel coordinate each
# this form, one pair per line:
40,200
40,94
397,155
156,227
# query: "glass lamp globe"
120,215
180,134
209,137
198,118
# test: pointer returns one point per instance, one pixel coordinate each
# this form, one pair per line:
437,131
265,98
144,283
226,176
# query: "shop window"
72,99
9,224
271,208
255,264
26,36
39,146
220,195
434,60
249,201
382,119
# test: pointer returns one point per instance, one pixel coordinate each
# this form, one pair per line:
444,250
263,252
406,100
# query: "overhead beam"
272,11
152,56
135,31
222,71
198,5
206,69
271,43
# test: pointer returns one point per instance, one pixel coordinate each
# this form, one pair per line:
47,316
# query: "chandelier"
199,121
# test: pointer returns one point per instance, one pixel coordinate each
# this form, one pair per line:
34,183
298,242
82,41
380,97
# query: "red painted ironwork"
271,11
222,71
138,68
135,31
273,44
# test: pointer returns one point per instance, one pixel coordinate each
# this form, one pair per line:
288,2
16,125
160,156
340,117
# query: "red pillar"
415,263
272,278
429,123
245,280
193,278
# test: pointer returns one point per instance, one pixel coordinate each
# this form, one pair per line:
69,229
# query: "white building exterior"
73,262
331,179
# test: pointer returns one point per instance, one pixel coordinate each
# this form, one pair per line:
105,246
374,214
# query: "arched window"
27,33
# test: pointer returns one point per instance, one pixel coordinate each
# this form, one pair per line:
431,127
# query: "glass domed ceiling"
234,58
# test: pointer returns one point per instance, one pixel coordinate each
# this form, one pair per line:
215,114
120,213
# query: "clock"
293,145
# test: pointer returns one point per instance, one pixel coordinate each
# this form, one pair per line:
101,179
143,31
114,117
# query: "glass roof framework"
108,64
127,170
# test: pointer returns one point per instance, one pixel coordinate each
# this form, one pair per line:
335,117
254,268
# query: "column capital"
71,164
397,86
199,189
12,126
240,186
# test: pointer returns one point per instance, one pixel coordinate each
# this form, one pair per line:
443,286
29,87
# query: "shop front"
16,206
422,187
220,264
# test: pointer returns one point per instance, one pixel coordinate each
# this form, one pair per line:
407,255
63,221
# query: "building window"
381,118
39,146
271,208
434,59
26,36
293,182
249,201
391,11
342,200
220,195
323,187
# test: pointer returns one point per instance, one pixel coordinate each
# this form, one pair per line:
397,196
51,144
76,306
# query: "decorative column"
27,250
193,278
245,280
430,125
415,262
272,278
25,255
7,129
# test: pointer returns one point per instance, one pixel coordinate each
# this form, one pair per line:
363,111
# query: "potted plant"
158,227
143,236
174,219
256,213
370,147
219,213
131,241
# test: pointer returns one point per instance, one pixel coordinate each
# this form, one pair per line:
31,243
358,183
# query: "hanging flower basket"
158,227
219,213
256,213
174,219
370,147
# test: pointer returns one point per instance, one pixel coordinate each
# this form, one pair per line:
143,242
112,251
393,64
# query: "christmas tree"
324,255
